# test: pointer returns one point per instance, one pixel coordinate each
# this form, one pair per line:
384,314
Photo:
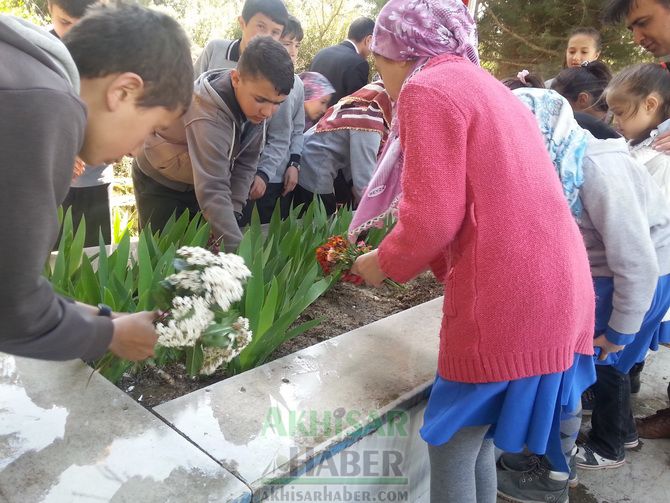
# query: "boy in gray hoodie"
134,69
208,159
279,165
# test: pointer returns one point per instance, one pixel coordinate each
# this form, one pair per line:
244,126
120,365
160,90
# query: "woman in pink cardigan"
477,200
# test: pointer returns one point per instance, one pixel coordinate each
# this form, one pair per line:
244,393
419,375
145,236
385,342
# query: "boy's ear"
235,78
124,88
240,20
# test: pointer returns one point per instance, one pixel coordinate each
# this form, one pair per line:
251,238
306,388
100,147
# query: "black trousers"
343,190
156,202
304,196
612,421
92,203
266,204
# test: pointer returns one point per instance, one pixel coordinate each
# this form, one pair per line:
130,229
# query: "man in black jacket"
345,65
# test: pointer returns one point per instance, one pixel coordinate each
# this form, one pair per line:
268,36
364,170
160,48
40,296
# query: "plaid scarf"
368,109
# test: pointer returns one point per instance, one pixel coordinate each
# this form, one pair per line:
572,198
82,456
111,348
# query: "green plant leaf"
260,348
76,249
267,314
194,359
89,282
108,298
122,257
113,367
102,272
193,227
255,291
145,271
201,236
175,232
60,265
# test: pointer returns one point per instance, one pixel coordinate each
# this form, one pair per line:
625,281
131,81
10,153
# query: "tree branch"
519,37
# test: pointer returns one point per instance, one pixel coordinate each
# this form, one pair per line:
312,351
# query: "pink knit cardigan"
483,207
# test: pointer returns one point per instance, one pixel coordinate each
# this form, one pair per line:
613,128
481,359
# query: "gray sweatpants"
464,469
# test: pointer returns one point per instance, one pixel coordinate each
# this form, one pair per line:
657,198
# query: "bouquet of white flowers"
197,301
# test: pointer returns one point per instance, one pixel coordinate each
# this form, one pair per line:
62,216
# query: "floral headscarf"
564,139
424,29
316,85
414,30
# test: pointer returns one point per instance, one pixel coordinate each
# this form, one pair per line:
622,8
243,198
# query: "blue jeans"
612,421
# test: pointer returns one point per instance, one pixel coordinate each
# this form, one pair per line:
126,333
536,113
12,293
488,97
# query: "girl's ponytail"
524,79
592,78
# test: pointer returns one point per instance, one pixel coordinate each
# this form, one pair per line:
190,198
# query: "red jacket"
483,207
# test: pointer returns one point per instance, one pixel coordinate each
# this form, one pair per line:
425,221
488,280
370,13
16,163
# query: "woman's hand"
367,267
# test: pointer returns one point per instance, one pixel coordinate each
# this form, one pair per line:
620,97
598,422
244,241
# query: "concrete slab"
288,415
63,440
384,466
645,478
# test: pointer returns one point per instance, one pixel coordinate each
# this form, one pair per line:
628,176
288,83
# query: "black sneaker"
589,459
523,462
634,376
534,485
633,442
588,399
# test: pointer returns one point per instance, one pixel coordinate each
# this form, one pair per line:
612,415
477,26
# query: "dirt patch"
343,308
346,307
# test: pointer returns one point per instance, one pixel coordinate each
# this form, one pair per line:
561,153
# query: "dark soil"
342,309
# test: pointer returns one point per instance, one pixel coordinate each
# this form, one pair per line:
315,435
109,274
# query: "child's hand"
367,267
662,143
606,347
257,188
79,168
290,180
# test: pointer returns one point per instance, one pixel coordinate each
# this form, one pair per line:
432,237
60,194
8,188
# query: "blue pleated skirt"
522,413
663,333
652,332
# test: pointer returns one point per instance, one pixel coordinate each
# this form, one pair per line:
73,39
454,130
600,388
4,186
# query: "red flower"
337,255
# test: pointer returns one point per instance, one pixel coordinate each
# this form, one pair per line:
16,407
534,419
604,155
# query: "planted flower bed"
285,281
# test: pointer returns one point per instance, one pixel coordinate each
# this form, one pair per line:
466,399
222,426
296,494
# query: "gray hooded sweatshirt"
212,149
626,228
41,132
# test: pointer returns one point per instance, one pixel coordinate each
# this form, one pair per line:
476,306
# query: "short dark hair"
74,8
266,58
592,78
532,81
634,83
293,29
360,28
128,38
274,9
616,11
